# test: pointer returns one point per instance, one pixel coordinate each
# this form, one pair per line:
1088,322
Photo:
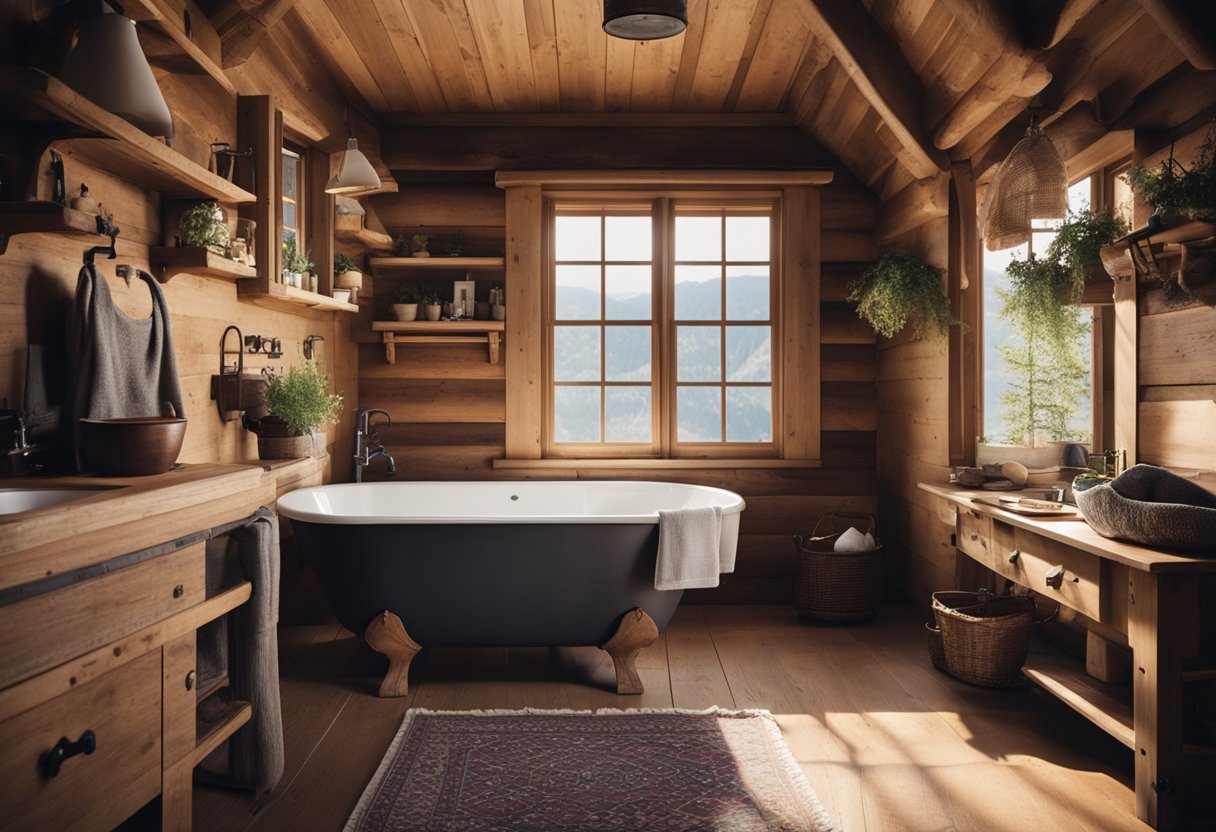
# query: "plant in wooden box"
346,274
1176,191
432,304
405,303
299,402
900,288
203,225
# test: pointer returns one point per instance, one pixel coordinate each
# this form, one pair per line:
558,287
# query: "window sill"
655,463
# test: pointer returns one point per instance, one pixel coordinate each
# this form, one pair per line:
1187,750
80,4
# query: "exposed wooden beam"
667,178
242,24
1050,29
878,68
1072,132
917,204
1171,101
591,119
1192,31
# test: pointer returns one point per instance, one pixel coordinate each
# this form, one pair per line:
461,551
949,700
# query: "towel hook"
104,226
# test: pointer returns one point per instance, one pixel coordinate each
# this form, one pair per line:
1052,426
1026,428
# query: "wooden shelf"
168,260
316,301
34,98
208,734
1117,259
1107,706
453,263
42,216
349,228
444,333
218,684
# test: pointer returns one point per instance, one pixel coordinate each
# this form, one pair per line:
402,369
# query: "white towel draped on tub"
695,546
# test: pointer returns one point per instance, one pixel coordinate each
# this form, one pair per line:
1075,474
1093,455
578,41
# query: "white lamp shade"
355,174
108,67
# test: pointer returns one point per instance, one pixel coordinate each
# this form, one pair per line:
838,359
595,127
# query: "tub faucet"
368,445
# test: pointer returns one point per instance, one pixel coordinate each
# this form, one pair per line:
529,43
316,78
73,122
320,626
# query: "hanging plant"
899,288
1173,188
1078,243
203,225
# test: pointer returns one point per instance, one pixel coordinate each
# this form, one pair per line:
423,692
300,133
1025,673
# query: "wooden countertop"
1075,532
136,513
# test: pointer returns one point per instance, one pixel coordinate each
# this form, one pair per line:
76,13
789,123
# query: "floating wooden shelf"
42,216
317,301
1107,706
349,228
168,261
34,98
440,332
1117,257
208,734
437,262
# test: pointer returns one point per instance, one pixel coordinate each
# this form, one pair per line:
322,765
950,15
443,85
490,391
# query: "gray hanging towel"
119,366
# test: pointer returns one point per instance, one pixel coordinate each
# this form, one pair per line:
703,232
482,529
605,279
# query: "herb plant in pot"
405,303
299,402
899,289
203,225
1177,192
346,274
432,306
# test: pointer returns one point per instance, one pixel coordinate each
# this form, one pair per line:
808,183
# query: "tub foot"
386,635
636,630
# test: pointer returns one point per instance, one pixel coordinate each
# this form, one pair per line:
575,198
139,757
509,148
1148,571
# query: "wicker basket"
837,586
982,638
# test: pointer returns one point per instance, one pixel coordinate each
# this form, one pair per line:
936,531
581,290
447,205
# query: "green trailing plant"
900,288
301,398
203,225
1078,242
343,264
407,294
1171,186
1046,366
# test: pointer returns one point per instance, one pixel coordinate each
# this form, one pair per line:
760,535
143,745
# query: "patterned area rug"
577,770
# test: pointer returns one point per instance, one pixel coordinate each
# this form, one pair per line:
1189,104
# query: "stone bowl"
131,447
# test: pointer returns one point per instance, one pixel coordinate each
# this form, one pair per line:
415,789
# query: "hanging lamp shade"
108,67
645,19
1031,184
355,174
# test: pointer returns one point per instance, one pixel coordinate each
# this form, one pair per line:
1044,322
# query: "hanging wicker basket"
1032,183
983,638
837,586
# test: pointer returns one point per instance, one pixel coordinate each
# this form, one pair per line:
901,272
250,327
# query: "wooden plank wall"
447,403
913,442
39,274
1176,384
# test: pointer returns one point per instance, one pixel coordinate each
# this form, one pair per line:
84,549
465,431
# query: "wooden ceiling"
896,89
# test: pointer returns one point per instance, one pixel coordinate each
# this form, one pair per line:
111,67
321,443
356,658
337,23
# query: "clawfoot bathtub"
495,564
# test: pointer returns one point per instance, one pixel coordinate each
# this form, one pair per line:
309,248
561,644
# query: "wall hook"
309,347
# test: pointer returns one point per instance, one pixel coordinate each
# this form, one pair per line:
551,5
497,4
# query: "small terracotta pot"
349,280
433,311
405,312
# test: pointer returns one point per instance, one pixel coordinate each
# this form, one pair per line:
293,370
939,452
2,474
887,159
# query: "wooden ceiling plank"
1051,28
582,49
880,73
1191,33
727,29
438,41
923,41
466,43
542,43
786,32
1171,101
410,56
337,46
501,32
371,39
618,74
816,57
656,67
693,35
760,18
241,25
1082,72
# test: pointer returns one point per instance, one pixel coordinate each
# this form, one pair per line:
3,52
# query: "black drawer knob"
179,591
65,749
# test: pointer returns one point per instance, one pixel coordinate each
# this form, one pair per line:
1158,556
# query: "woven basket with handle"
982,638
837,586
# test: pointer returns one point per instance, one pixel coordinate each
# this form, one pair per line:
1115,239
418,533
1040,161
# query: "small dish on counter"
132,447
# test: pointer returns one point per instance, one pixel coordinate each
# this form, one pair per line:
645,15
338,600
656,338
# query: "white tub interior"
500,502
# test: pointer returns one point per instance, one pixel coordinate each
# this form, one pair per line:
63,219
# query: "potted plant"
405,303
203,225
1176,191
899,288
432,305
418,246
346,274
298,402
303,265
454,246
290,276
1078,243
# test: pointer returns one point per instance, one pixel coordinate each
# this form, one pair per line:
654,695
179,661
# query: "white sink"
14,500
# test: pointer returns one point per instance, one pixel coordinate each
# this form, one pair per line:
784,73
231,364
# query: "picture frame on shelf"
464,294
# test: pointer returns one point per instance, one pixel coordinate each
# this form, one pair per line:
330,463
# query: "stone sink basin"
16,500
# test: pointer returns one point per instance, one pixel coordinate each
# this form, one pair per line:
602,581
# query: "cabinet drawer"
1081,586
95,791
975,535
47,630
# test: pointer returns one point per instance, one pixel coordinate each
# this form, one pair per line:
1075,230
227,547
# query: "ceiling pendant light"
355,174
1031,184
108,67
645,19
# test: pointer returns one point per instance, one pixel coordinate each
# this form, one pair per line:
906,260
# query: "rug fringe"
711,711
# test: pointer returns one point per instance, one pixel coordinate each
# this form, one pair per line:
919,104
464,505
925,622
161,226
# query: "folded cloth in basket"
695,546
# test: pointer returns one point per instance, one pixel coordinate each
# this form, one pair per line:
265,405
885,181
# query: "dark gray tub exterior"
484,585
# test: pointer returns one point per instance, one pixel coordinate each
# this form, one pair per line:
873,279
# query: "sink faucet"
368,445
18,456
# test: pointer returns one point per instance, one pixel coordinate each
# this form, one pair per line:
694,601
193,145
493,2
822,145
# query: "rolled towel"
690,548
851,540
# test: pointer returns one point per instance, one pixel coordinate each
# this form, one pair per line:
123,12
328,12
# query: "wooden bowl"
133,447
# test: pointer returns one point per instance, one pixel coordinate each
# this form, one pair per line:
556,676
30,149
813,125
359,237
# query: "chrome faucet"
368,445
18,457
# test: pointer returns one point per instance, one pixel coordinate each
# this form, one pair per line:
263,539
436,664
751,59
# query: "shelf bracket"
492,340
